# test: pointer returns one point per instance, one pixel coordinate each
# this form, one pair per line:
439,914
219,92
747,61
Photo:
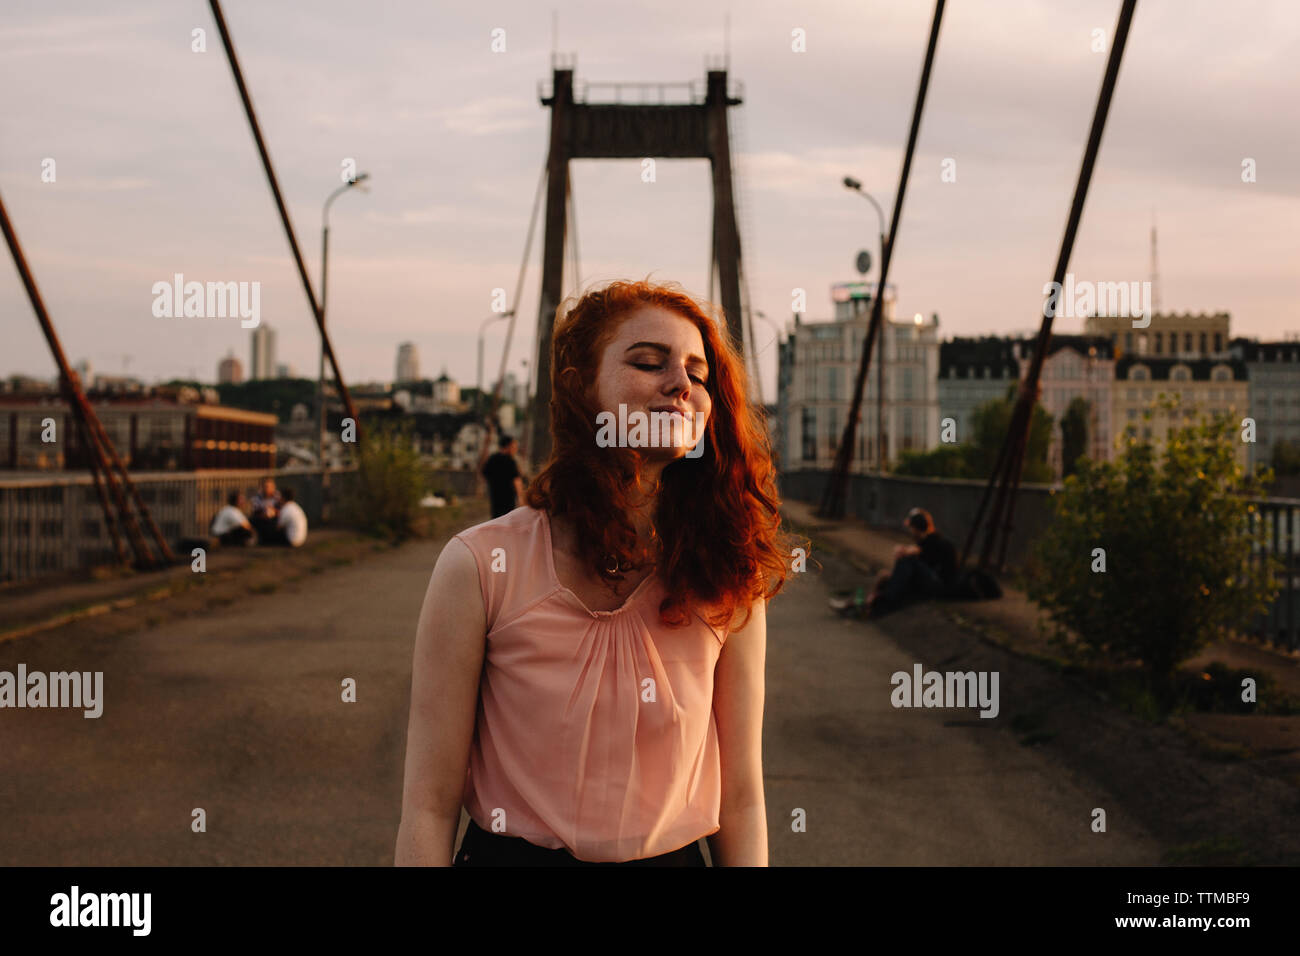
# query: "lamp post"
324,286
853,184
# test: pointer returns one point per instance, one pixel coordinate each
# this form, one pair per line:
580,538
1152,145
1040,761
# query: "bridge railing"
1280,518
54,523
883,500
681,93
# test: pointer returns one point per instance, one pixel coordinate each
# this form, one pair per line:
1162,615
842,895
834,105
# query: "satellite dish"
864,262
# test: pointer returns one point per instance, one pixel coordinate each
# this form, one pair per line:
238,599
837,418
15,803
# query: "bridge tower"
582,128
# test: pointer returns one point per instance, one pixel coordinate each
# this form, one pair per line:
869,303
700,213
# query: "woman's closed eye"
659,368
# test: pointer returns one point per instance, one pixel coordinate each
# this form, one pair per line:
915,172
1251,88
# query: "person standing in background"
505,481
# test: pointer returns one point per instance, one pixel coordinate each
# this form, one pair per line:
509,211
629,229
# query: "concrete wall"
883,501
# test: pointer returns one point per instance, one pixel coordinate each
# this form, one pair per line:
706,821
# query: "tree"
1151,557
976,457
1074,434
946,461
274,395
992,421
1286,458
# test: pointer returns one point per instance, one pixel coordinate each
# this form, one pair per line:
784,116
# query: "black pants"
236,536
910,578
483,848
269,532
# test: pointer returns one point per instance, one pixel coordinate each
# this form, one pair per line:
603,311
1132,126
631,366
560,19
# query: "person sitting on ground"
266,511
925,569
230,526
292,523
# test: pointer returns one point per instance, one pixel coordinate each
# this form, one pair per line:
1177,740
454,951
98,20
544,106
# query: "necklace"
613,565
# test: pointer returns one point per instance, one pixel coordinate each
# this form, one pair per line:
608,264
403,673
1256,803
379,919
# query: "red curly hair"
713,559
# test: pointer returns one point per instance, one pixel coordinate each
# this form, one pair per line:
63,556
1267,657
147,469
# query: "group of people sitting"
275,519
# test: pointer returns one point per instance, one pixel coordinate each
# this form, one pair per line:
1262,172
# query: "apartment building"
817,369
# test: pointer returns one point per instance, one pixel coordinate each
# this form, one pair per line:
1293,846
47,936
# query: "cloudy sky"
156,171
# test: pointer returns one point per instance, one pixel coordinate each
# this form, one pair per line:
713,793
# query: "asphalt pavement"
238,712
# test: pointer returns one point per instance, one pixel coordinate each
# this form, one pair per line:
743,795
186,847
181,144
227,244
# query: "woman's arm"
741,839
449,642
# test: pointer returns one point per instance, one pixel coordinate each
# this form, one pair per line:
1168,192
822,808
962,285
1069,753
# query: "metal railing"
54,523
1280,518
882,500
678,93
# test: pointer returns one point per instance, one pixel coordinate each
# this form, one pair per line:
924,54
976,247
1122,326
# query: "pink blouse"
595,729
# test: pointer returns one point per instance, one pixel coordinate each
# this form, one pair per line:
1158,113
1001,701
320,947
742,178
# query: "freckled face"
655,360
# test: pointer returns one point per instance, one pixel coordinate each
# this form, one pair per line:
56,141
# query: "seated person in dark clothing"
266,512
230,525
922,570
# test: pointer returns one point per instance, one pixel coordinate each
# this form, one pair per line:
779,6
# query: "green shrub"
1180,533
975,455
389,483
946,461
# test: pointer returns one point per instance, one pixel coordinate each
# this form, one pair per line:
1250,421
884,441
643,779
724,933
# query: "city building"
285,370
117,385
972,372
514,391
25,384
1200,386
230,371
408,363
453,440
1273,370
263,357
1170,334
817,369
149,433
1076,366
85,374
446,393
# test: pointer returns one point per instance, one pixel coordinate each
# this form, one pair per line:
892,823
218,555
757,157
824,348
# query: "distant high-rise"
285,370
230,371
408,363
263,363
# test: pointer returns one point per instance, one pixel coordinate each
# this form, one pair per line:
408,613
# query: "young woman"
588,671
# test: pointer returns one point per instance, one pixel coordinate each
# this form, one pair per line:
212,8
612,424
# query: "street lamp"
853,184
324,271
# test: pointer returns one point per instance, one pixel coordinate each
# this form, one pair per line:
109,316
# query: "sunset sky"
157,173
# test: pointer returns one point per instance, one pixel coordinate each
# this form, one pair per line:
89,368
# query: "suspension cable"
573,231
519,290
